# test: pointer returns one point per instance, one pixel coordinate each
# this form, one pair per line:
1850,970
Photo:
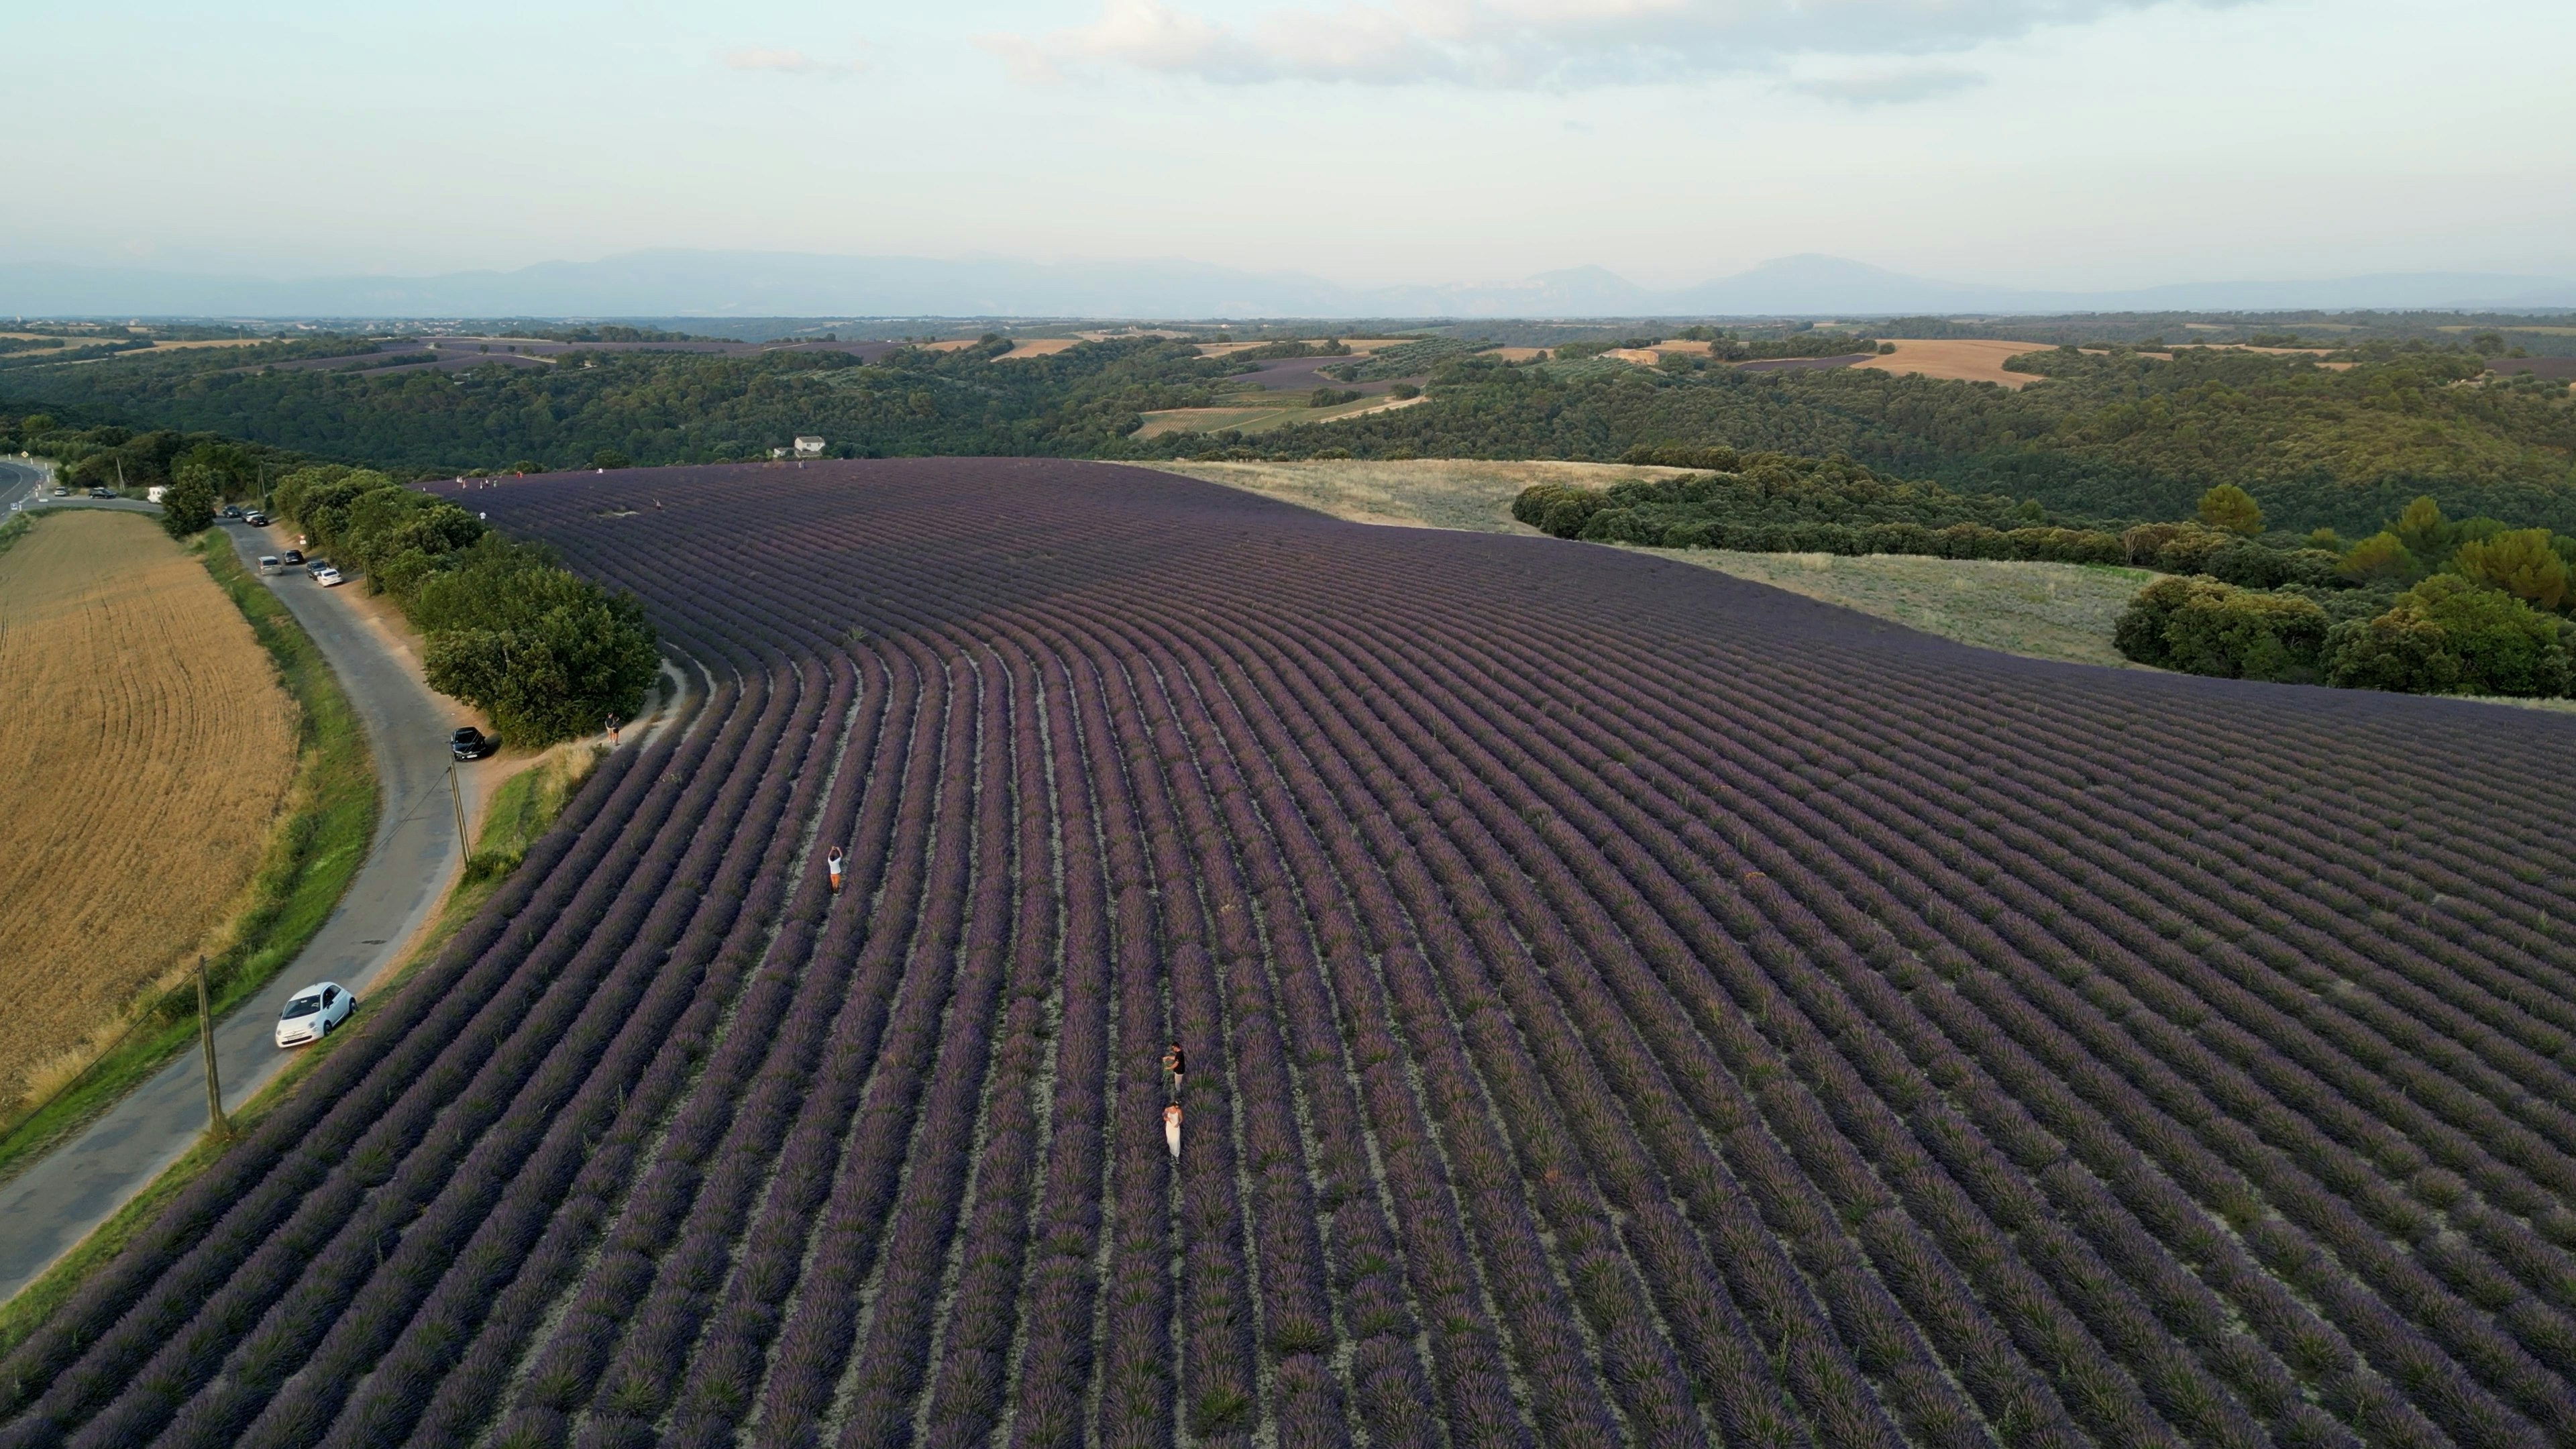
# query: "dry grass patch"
1463,493
1958,359
1039,347
2042,610
148,755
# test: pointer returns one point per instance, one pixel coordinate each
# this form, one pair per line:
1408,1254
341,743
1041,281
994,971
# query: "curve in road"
58,1200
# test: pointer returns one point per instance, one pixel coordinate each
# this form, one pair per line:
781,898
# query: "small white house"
809,447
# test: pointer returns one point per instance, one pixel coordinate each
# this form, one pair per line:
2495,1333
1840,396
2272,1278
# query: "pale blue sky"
2061,143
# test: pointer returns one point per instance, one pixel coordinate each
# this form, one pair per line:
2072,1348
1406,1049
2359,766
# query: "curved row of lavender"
1624,1005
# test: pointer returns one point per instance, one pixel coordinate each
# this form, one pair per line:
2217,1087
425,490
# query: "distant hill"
674,283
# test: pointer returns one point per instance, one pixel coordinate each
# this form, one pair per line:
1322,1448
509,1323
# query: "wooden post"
464,847
215,1121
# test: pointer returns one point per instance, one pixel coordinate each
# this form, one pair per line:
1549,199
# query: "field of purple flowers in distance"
1624,1005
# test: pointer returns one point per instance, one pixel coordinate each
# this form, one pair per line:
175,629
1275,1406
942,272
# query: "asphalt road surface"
51,1206
18,484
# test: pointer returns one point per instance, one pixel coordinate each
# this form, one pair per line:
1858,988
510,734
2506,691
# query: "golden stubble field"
147,753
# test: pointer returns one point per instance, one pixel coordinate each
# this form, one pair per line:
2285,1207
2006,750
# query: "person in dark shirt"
1175,1063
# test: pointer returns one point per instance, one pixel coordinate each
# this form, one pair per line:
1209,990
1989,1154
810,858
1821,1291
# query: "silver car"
312,1012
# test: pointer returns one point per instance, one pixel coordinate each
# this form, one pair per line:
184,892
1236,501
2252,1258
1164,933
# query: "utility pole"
215,1122
457,794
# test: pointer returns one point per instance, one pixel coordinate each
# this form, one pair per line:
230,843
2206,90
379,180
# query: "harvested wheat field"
1960,359
149,749
1039,347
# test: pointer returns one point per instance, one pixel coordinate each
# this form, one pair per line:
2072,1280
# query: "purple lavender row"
478,1364
2177,1297
1053,1371
2249,1288
370,1131
1296,1313
1216,1382
1567,1400
891,1357
641,1307
2491,1355
1132,1408
1612,1029
2171,1379
1988,1363
2000,1375
729,1364
814,1343
475,1273
1298,1308
686,1139
966,1397
1114,847
1513,1058
1763,1277
435,1200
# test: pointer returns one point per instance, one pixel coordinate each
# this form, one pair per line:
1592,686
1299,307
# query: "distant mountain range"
770,284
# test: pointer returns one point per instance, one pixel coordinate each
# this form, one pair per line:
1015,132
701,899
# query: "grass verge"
522,810
311,857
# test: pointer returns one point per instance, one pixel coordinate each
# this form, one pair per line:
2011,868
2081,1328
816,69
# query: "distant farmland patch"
1962,359
147,752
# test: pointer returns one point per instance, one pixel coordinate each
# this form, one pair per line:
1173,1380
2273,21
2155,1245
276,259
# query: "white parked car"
326,576
312,1012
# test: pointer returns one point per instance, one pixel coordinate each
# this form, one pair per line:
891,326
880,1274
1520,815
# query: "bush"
2521,563
2203,626
2448,635
2382,558
2232,510
188,505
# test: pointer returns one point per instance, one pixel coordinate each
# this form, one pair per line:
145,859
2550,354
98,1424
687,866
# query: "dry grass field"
1039,347
1960,359
148,753
2043,610
1461,493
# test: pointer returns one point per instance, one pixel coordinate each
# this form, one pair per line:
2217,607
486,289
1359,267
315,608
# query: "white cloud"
1892,87
1556,44
787,62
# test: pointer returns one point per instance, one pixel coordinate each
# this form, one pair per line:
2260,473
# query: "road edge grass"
313,852
522,810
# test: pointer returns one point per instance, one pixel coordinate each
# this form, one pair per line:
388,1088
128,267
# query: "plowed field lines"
147,754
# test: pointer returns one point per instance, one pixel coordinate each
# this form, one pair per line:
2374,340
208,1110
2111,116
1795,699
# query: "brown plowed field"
147,750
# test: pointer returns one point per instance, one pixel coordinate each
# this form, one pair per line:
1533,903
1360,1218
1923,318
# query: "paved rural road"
18,483
55,1203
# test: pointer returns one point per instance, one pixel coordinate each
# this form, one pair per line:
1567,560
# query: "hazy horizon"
2061,145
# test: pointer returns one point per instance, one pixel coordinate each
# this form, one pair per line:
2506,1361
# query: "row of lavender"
1622,1008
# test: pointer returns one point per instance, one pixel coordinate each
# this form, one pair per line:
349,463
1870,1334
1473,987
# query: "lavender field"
1624,1005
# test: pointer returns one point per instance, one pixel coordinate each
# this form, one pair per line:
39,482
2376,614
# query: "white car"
312,1012
268,563
326,576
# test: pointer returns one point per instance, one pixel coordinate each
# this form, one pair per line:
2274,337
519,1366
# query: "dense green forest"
2107,439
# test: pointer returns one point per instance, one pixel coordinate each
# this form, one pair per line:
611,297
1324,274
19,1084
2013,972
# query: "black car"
102,493
294,558
232,510
469,743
